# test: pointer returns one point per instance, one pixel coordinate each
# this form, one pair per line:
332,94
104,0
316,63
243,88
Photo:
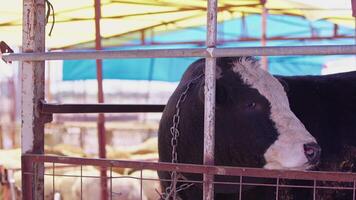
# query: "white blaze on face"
287,152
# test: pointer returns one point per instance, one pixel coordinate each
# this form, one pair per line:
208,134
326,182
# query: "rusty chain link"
48,14
172,190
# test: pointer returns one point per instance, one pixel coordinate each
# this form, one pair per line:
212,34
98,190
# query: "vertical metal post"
336,30
355,26
277,189
209,111
240,188
244,30
48,82
81,182
1,136
264,14
314,190
53,178
143,37
12,94
33,75
353,4
354,191
101,117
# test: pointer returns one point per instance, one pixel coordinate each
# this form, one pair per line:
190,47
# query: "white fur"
287,151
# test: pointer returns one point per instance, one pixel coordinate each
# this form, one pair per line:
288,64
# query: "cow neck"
173,189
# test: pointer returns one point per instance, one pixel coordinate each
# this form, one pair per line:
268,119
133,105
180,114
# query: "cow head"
253,117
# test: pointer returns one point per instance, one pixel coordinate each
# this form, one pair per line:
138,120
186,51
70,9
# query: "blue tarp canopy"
171,69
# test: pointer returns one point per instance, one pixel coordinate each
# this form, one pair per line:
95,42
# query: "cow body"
326,106
254,125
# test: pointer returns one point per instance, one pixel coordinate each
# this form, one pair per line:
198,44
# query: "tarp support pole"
12,112
32,89
209,102
101,117
264,14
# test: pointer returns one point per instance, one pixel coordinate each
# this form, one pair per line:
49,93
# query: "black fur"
243,133
326,105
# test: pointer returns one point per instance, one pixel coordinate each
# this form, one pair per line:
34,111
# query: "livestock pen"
36,112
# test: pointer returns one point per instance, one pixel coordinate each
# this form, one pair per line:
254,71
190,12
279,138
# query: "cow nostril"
312,152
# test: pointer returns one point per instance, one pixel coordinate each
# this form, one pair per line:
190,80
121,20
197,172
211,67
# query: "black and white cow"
254,124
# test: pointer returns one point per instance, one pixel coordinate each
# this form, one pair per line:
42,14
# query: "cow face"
254,116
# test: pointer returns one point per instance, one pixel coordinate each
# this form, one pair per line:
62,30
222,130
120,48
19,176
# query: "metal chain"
48,14
172,190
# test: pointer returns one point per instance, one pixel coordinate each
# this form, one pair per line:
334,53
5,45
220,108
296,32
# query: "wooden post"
33,75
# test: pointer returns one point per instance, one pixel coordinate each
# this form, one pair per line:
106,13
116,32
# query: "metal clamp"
47,117
4,48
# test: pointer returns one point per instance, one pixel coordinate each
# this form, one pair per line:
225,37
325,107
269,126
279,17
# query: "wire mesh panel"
139,181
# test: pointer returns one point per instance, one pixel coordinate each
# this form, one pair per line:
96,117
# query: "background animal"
68,185
326,106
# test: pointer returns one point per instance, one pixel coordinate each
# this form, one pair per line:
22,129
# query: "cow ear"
220,94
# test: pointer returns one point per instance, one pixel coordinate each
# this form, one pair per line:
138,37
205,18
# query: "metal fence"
35,112
319,182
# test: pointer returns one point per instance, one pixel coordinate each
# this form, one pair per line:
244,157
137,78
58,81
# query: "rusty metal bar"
101,117
12,91
241,39
353,5
314,190
354,191
192,168
286,51
240,189
33,73
264,14
197,52
111,192
81,182
215,182
209,100
53,179
106,54
141,185
277,189
49,108
282,185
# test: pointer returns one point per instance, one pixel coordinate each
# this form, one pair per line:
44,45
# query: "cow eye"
251,105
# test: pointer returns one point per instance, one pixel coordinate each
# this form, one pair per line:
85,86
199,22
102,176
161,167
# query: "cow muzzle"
312,151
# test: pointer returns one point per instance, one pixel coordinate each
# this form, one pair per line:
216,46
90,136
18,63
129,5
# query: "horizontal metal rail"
49,108
286,51
226,41
194,52
104,54
192,168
